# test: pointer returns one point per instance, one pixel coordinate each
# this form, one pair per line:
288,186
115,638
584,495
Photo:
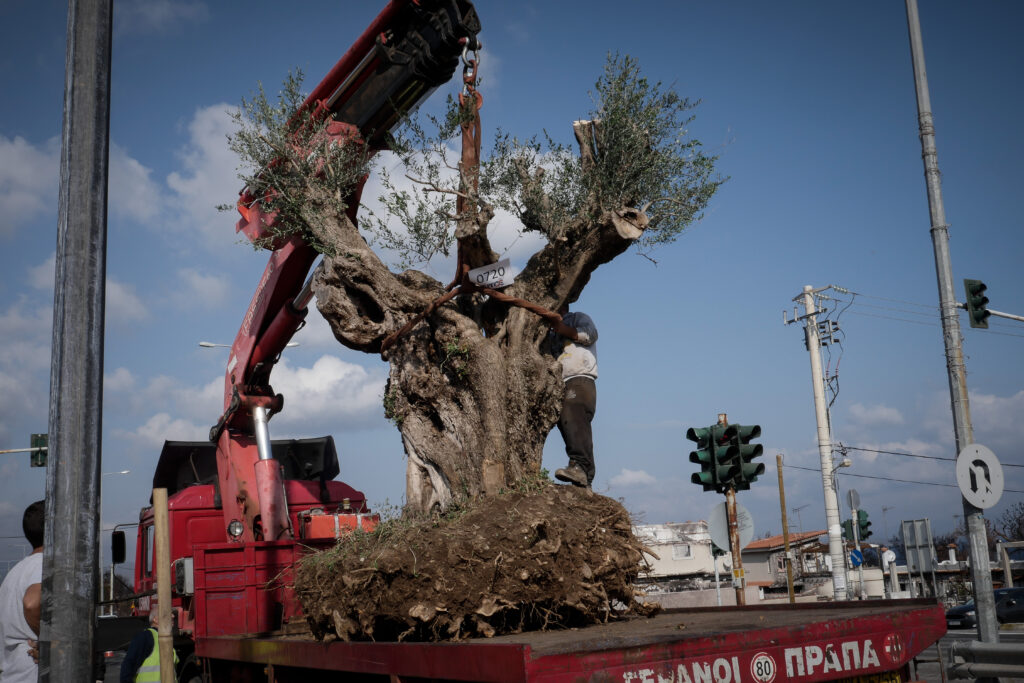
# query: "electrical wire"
901,481
915,455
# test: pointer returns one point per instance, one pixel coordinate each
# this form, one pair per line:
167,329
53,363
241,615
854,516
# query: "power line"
889,317
901,481
914,455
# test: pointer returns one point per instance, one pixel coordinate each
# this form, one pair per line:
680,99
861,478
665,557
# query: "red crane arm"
412,47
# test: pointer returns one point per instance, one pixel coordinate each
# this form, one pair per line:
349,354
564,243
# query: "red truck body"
807,642
243,509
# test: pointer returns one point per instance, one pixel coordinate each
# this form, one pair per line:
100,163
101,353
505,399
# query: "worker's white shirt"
16,665
579,359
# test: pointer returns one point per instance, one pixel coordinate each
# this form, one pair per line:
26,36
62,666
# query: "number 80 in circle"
762,667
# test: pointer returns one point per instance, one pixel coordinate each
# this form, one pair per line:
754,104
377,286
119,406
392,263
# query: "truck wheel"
190,671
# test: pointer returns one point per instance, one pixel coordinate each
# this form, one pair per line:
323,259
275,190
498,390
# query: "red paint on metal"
273,510
821,649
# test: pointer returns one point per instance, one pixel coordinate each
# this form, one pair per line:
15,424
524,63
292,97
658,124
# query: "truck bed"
807,642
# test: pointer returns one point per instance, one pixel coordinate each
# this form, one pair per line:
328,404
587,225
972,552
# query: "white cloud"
317,331
41,276
330,389
875,415
209,177
168,394
153,16
199,289
162,427
24,369
120,379
123,305
28,181
627,477
133,194
997,424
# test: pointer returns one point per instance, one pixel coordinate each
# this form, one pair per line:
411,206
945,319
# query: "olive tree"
470,387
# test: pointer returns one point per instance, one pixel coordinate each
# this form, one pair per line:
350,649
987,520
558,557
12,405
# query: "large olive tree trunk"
470,388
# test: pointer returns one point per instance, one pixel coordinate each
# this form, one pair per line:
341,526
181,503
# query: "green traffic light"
40,441
848,529
977,314
863,524
712,455
740,454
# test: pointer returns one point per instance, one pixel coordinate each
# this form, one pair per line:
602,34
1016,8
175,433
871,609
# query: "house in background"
681,558
764,563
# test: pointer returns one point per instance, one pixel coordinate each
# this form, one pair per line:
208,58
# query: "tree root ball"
550,557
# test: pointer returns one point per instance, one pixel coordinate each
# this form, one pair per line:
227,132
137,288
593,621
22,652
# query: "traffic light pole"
856,544
738,580
981,575
835,534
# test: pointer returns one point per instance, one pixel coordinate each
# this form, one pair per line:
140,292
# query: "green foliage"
391,411
645,158
427,210
455,356
290,163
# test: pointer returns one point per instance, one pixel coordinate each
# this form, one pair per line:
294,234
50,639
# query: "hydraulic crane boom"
412,47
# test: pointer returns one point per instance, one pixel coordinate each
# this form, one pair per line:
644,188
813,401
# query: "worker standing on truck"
142,660
574,341
20,602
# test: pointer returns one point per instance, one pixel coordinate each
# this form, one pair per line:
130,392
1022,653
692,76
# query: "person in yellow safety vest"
142,660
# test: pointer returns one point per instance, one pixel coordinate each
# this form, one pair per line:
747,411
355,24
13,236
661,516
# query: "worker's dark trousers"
578,406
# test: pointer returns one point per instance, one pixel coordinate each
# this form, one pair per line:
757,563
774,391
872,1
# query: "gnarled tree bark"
470,387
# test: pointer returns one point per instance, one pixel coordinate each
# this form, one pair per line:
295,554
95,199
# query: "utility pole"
70,542
981,575
785,531
835,540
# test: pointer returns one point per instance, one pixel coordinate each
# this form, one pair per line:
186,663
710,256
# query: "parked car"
1009,609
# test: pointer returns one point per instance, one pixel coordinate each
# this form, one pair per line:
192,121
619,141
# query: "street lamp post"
110,608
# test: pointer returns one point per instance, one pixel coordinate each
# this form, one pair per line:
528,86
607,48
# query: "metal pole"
738,580
162,541
785,531
71,547
718,587
835,532
855,525
981,574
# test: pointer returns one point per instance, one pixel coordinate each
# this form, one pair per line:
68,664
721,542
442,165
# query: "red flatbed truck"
244,508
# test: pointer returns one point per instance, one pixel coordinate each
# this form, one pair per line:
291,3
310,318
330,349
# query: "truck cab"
209,559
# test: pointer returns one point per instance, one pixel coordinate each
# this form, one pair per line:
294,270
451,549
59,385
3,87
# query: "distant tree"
1010,526
471,387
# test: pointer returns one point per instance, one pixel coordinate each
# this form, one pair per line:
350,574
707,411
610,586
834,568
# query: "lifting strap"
461,284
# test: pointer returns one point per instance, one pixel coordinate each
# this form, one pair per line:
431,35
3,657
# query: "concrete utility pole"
835,531
981,576
71,543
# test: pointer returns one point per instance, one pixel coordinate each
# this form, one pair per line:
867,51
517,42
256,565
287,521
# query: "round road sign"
979,475
718,526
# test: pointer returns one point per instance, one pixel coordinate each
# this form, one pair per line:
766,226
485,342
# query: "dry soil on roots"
547,558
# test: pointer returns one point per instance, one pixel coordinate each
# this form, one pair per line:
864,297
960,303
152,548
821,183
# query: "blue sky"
810,107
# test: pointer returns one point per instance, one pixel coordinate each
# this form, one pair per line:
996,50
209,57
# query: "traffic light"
977,314
716,551
848,530
742,452
38,458
863,524
712,455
